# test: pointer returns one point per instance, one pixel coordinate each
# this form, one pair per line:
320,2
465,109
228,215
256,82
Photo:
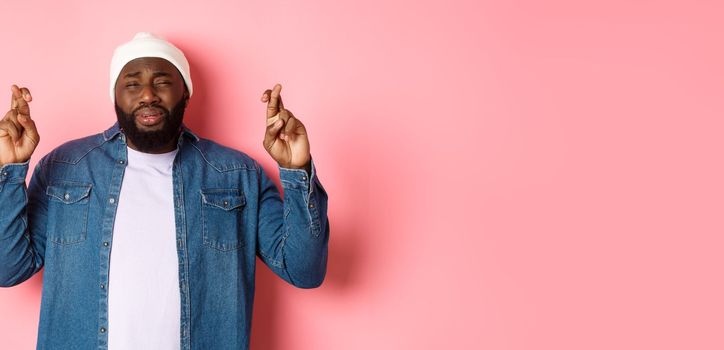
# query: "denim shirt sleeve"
22,247
294,233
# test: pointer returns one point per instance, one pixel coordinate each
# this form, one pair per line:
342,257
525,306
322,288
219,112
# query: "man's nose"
148,94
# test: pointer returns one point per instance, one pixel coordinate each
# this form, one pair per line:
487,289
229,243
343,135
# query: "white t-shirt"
144,307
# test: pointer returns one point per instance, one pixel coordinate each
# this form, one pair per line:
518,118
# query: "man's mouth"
149,116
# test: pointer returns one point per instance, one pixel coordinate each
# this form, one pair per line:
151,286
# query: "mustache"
157,108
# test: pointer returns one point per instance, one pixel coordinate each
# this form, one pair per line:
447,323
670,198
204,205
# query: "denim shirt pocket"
222,212
68,212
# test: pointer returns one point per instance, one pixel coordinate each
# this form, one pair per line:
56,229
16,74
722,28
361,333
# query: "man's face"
150,101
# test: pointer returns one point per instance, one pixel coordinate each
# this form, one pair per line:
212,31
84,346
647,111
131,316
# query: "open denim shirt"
227,212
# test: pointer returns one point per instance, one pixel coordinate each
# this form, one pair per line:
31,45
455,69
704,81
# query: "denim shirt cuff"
13,172
297,178
312,192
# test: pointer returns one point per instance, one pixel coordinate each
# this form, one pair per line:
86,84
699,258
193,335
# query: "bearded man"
149,234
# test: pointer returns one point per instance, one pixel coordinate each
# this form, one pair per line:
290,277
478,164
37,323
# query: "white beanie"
148,45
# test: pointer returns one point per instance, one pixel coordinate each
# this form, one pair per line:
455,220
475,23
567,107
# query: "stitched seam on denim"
313,217
284,244
74,184
270,260
183,276
58,160
203,155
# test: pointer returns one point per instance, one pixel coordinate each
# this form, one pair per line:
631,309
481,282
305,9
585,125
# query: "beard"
153,140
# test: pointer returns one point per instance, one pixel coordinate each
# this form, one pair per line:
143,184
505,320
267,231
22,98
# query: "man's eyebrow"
155,74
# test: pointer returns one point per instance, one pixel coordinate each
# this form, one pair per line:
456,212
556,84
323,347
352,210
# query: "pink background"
503,174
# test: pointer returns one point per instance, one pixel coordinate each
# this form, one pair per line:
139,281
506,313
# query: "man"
148,233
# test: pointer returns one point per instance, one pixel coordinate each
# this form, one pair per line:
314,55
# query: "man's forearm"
295,232
19,260
306,245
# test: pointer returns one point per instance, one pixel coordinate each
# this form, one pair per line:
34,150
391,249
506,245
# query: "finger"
291,123
271,133
26,94
273,130
284,115
11,129
12,117
272,107
31,130
21,98
265,96
289,127
272,120
16,93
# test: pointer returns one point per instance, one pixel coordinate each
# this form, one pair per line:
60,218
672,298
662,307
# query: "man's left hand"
286,138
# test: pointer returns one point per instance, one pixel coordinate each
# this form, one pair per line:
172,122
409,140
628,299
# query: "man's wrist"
16,162
13,173
307,167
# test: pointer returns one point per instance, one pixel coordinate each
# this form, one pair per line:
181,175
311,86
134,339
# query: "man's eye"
133,84
163,83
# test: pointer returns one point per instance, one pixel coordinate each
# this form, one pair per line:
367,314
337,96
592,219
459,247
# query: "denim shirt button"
311,205
121,161
105,244
112,200
66,196
304,178
103,286
103,330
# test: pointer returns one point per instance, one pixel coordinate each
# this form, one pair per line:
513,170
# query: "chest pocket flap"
69,193
223,199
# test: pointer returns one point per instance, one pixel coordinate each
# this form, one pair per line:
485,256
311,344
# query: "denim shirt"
227,213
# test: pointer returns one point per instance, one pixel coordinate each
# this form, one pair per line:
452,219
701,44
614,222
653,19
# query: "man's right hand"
18,134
